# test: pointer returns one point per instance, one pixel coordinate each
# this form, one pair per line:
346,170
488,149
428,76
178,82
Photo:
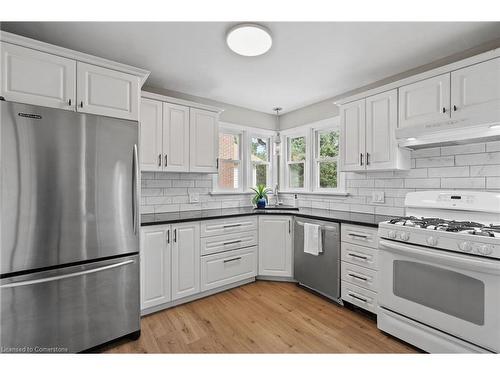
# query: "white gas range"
439,270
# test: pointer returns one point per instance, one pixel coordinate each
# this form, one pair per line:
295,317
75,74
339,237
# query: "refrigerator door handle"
74,274
135,173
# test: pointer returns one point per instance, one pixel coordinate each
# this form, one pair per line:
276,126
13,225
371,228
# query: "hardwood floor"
262,317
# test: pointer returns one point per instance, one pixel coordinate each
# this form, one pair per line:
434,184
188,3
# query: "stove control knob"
484,250
392,234
465,246
404,236
432,241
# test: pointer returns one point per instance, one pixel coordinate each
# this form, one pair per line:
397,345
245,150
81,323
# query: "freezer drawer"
70,309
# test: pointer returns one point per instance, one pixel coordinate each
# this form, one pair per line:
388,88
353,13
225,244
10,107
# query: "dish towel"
312,239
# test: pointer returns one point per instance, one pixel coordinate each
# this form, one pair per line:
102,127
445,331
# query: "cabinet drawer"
358,296
224,226
359,235
229,267
360,276
231,241
360,255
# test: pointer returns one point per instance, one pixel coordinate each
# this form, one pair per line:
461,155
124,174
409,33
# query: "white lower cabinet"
185,259
155,266
275,246
358,266
228,267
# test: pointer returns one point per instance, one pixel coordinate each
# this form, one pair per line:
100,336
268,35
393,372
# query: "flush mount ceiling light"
249,39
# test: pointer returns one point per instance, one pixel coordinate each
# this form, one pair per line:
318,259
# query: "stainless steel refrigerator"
69,229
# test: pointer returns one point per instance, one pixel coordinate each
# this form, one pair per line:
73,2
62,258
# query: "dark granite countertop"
311,213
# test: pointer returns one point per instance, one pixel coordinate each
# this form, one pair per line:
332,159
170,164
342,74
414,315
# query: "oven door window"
450,292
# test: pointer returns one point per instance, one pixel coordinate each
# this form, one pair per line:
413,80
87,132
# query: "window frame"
285,180
245,173
323,127
311,132
269,175
232,130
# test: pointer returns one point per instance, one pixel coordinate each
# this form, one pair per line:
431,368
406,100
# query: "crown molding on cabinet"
71,54
187,103
476,59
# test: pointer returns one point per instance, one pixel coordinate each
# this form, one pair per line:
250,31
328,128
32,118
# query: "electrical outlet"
194,198
378,197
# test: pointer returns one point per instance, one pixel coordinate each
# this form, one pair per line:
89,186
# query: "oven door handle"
444,258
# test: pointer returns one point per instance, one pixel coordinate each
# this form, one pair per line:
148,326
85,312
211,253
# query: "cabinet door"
425,102
151,135
107,92
275,246
475,92
38,78
381,123
175,138
185,260
352,119
155,266
204,145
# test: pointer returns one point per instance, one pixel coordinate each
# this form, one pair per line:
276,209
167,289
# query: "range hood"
480,128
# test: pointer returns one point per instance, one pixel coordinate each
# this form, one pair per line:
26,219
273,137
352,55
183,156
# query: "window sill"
337,193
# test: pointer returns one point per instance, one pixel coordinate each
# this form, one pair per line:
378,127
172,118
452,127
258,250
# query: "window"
311,158
229,176
260,161
326,159
296,162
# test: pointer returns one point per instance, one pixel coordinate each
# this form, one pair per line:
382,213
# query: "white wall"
326,109
232,114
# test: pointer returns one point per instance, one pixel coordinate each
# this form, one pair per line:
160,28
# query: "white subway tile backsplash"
485,170
493,146
472,148
426,152
427,183
439,161
463,183
449,172
492,182
478,159
469,166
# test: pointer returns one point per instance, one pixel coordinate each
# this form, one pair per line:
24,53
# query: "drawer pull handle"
358,256
231,242
359,298
231,260
364,236
358,277
231,225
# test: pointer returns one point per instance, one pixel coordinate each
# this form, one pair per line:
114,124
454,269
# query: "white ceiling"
308,62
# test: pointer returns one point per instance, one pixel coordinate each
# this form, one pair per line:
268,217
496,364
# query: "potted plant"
260,197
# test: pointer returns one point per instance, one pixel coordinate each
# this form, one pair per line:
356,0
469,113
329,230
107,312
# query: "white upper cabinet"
352,119
426,101
175,138
34,77
275,246
368,140
382,151
151,127
107,92
185,259
155,266
475,92
204,141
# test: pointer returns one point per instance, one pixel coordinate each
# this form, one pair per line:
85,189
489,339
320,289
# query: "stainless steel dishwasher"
320,273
